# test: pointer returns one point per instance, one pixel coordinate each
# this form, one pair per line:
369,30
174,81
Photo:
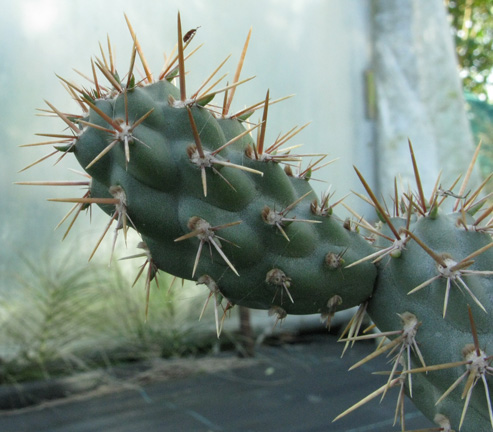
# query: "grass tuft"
60,316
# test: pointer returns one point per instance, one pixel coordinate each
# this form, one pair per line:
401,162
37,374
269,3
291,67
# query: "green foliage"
59,318
472,22
481,121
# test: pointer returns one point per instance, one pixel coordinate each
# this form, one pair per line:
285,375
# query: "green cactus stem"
215,203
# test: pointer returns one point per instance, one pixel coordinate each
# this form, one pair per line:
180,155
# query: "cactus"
217,206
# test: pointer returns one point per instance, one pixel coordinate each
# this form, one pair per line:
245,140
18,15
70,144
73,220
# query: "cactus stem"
124,134
452,271
295,203
474,331
125,102
232,165
469,258
438,258
140,120
478,365
455,276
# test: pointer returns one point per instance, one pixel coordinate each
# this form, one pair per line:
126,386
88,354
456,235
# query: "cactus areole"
237,214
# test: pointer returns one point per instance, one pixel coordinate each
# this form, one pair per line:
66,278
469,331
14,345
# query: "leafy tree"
472,24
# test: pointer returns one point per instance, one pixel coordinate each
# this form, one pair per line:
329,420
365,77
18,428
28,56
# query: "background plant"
59,317
472,23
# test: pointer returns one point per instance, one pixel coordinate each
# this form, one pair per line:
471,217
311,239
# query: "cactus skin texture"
229,235
216,206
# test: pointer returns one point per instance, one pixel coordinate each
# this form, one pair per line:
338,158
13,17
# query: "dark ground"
290,387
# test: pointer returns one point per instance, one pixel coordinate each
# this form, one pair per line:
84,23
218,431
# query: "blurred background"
368,75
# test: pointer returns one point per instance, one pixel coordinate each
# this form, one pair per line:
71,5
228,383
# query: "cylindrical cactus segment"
215,205
202,212
444,270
